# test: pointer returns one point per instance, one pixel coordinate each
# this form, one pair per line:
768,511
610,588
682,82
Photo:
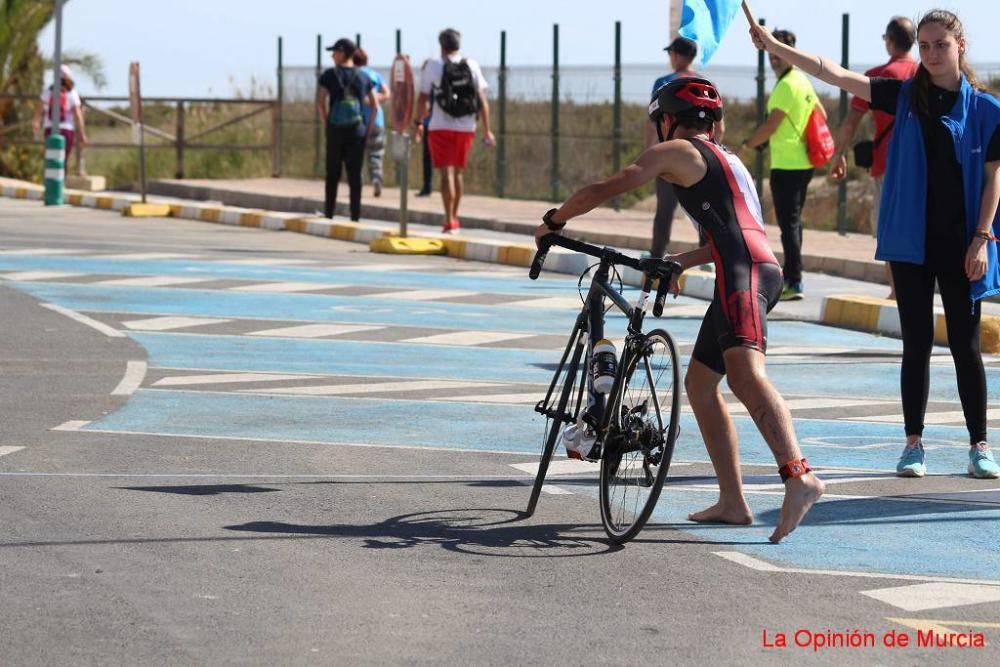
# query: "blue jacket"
902,228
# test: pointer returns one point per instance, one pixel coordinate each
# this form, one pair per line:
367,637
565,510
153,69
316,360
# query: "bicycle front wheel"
641,435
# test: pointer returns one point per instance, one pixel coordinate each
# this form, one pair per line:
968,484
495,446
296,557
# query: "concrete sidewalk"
849,256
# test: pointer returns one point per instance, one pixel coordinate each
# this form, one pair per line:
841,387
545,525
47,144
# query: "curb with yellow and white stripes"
874,315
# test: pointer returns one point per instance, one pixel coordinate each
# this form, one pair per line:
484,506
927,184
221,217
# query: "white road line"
569,467
324,443
152,281
695,310
948,417
41,251
524,398
171,322
208,475
495,273
312,330
381,267
555,490
934,595
369,388
26,276
764,566
267,261
147,255
468,338
559,467
134,372
9,450
555,302
283,287
227,378
807,404
421,294
74,425
83,319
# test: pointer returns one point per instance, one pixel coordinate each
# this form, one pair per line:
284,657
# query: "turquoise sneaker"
911,463
981,462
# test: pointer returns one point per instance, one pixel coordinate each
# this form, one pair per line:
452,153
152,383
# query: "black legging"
915,300
788,190
344,147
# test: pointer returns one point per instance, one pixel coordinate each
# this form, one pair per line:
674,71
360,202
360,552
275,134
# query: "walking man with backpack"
339,99
459,89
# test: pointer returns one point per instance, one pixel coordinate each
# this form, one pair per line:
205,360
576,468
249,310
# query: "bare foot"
738,515
800,494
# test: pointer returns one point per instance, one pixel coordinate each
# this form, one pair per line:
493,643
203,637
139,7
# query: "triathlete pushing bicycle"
717,192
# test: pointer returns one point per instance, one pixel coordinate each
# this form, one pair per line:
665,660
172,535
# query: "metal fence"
168,126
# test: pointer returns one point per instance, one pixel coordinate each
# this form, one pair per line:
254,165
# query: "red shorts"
449,148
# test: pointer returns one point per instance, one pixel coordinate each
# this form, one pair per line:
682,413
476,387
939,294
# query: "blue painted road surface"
461,371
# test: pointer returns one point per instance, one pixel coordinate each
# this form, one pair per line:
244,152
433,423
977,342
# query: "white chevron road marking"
369,388
171,322
226,378
312,330
282,287
468,338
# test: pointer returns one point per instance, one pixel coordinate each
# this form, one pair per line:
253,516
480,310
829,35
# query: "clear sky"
211,47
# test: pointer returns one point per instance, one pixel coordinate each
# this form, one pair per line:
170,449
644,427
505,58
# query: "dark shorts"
740,320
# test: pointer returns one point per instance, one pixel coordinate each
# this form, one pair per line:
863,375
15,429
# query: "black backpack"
458,95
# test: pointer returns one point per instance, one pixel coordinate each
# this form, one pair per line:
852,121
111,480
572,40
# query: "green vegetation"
21,73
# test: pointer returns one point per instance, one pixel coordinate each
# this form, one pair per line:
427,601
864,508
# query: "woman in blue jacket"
938,218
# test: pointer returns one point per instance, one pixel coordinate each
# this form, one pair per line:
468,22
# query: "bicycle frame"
589,327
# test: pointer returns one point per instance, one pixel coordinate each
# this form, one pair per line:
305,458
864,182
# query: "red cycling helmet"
688,98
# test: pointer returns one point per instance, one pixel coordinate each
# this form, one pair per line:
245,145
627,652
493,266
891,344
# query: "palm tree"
22,69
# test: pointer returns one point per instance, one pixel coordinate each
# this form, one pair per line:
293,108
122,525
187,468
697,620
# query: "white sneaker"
579,443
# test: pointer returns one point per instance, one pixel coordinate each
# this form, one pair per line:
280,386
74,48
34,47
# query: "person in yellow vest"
789,107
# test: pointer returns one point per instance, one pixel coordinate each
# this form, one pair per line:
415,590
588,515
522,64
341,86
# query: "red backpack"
819,141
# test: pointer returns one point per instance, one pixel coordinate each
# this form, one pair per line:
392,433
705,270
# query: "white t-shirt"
70,102
431,78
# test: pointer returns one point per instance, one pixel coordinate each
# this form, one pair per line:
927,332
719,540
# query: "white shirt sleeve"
478,73
430,76
74,100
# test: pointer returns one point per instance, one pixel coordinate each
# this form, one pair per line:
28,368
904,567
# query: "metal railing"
179,140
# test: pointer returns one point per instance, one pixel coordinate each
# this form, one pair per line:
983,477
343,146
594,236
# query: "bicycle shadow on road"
482,532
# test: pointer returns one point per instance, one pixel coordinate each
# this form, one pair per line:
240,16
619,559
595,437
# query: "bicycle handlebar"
665,269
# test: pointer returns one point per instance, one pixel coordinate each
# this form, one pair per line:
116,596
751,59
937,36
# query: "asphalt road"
268,448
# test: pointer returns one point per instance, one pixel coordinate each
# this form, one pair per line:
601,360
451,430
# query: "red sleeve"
860,104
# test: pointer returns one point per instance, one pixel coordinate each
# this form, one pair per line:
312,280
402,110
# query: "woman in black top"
932,235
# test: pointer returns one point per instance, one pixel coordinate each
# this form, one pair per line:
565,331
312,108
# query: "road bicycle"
635,424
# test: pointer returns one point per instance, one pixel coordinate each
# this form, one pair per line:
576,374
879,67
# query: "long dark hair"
920,91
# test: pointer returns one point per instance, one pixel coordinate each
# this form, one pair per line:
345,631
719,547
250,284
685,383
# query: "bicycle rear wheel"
641,436
560,406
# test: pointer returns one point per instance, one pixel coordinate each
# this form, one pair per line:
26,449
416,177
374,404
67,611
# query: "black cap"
683,46
344,45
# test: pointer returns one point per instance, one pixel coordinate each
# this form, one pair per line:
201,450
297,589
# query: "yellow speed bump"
395,245
139,210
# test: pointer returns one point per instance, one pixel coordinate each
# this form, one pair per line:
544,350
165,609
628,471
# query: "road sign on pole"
401,83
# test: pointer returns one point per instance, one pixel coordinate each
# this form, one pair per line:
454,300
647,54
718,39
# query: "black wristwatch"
547,220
